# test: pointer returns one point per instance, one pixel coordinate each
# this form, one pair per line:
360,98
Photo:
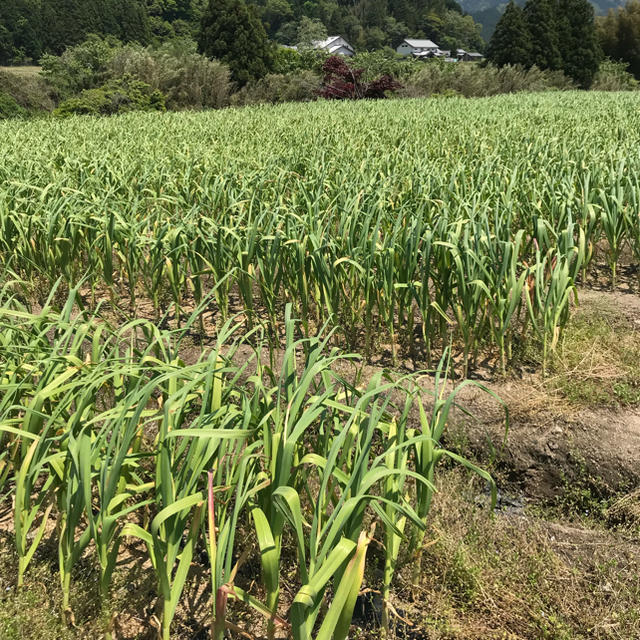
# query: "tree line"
31,28
549,34
619,35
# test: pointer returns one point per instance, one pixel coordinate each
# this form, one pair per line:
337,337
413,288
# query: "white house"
418,48
335,45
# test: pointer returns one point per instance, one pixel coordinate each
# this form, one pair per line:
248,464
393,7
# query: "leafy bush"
82,67
343,82
187,79
386,62
118,96
614,76
9,108
300,86
473,80
286,59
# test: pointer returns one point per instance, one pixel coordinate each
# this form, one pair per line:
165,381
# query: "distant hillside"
488,12
31,28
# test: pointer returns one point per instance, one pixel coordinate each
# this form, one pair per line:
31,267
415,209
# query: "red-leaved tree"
342,82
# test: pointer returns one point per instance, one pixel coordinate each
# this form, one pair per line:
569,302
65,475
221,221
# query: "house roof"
438,53
421,44
330,44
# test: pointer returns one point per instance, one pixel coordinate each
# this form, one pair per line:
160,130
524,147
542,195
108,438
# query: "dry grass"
509,577
598,359
22,71
27,87
516,576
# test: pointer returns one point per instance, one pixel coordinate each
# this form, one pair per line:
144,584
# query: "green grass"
32,612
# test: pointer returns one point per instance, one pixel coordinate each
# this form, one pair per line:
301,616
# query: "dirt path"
549,444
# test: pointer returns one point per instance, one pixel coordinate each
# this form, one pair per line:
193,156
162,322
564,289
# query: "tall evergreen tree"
127,20
542,22
67,22
619,35
511,40
578,41
20,31
629,35
231,32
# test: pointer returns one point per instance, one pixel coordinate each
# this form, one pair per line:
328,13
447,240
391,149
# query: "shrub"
9,108
84,66
299,86
385,62
286,60
343,82
473,80
118,96
187,79
613,76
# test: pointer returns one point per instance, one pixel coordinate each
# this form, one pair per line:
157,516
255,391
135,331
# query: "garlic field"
187,302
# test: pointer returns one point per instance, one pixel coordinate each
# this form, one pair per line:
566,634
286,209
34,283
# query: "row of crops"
298,229
114,437
384,221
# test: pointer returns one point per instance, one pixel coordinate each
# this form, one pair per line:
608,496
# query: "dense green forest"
549,34
488,12
619,34
30,28
565,35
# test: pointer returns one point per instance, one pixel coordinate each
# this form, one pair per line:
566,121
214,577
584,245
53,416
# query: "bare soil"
548,444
